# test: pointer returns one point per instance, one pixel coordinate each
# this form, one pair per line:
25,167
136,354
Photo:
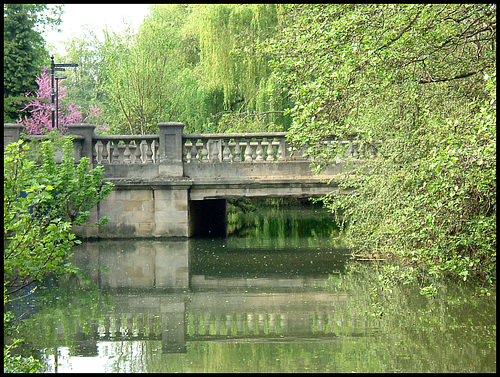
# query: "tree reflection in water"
220,306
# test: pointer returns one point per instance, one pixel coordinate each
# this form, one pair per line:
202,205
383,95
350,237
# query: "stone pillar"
170,149
11,133
87,132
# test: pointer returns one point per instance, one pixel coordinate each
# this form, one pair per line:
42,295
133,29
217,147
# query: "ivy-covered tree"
24,51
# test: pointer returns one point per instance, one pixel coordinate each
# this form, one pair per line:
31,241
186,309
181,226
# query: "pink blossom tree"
40,120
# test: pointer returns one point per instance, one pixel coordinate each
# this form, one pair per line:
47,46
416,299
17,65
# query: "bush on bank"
42,201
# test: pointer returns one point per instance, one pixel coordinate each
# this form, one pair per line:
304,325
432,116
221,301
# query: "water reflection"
251,304
196,289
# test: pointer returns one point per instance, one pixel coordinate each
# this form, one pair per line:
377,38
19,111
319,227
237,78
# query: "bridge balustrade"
125,149
235,147
172,145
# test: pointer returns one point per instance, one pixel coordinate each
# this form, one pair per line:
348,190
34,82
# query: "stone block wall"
140,212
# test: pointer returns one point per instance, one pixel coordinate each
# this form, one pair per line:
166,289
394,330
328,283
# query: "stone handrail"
171,146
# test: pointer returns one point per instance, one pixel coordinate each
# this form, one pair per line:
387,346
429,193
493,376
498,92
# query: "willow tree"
233,69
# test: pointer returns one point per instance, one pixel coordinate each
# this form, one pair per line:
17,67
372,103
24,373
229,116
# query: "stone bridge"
173,184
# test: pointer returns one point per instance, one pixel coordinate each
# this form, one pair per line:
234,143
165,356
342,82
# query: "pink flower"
40,120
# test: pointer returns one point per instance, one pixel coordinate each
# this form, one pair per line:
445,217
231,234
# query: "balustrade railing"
261,147
171,146
125,149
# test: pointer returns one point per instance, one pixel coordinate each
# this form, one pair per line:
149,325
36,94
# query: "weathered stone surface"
156,176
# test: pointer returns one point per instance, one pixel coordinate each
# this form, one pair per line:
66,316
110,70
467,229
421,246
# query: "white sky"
97,17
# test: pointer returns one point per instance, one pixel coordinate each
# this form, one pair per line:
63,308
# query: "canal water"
279,294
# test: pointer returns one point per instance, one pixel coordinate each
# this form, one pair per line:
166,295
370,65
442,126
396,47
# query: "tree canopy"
198,64
418,80
422,79
24,51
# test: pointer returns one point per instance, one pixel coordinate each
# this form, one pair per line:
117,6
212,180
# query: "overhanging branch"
462,76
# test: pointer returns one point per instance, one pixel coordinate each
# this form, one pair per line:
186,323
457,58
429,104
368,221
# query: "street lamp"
57,97
53,95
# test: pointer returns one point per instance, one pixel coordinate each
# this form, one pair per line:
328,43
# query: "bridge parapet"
125,149
262,147
235,147
172,146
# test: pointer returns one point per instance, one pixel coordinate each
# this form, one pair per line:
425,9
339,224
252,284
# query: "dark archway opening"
208,218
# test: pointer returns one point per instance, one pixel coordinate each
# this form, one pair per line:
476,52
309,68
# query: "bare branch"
401,33
462,76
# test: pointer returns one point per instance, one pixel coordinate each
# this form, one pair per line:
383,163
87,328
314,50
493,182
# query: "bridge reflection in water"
179,291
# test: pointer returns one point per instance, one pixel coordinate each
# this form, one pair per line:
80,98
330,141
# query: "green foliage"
86,83
18,363
24,51
420,78
370,69
42,201
198,64
375,69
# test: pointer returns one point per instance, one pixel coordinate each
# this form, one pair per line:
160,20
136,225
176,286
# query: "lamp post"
54,94
57,98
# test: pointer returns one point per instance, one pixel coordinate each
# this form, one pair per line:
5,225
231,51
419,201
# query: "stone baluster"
248,152
194,151
137,152
226,151
187,156
204,151
270,150
281,149
105,153
254,154
96,156
116,153
215,150
260,150
155,148
126,153
149,152
237,150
